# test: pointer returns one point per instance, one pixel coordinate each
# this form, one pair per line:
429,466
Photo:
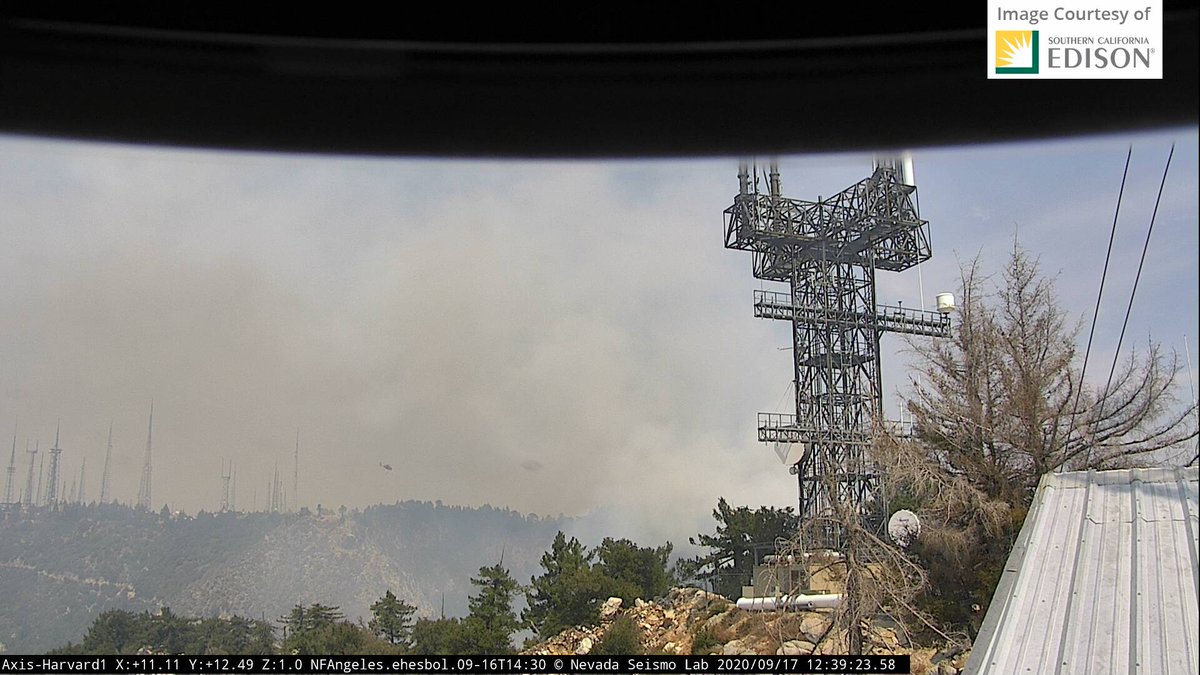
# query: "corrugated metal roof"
1104,578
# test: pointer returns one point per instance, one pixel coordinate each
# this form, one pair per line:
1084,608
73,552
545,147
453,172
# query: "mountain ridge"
62,567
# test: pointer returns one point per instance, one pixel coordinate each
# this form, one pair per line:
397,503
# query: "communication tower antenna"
903,527
105,477
80,495
276,491
10,473
828,252
27,498
41,472
296,473
144,489
226,476
52,479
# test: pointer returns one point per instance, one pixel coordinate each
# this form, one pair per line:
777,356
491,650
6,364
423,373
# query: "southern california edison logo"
1016,52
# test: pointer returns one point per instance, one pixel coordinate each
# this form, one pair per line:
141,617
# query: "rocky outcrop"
693,621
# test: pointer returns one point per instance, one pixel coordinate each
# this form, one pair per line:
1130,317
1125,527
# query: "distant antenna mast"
104,480
233,487
52,479
296,473
28,496
272,493
144,488
79,496
41,473
226,475
10,474
276,491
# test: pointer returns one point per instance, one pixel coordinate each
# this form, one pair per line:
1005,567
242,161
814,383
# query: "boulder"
813,626
795,648
610,608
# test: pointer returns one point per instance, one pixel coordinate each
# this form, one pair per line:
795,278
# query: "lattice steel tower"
10,474
145,488
106,476
226,475
52,489
28,497
828,252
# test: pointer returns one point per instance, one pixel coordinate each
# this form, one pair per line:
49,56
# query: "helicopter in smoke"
385,466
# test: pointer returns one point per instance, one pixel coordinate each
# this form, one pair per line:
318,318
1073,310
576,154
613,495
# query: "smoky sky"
554,337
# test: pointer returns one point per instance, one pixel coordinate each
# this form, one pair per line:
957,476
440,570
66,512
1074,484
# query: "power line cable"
1100,294
1133,293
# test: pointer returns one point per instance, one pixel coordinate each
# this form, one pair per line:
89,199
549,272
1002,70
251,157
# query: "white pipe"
770,603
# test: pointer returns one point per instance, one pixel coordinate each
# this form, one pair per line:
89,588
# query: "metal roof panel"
1103,578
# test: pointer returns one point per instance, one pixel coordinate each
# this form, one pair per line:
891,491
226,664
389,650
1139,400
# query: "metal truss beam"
891,318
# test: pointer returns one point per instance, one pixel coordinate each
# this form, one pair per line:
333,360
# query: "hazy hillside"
60,569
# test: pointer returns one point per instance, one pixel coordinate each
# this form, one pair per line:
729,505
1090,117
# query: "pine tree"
491,621
740,535
634,571
567,593
392,620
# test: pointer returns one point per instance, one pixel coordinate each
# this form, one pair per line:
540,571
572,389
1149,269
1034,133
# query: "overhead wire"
1133,292
1100,294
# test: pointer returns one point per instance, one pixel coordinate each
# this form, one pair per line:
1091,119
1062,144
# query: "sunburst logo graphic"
1016,52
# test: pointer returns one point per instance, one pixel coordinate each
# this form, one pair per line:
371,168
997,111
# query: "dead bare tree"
878,582
998,405
1000,402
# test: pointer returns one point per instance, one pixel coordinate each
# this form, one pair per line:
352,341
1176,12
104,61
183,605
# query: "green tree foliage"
491,623
623,638
438,637
575,581
111,632
392,620
122,632
321,629
741,534
306,619
568,593
634,571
